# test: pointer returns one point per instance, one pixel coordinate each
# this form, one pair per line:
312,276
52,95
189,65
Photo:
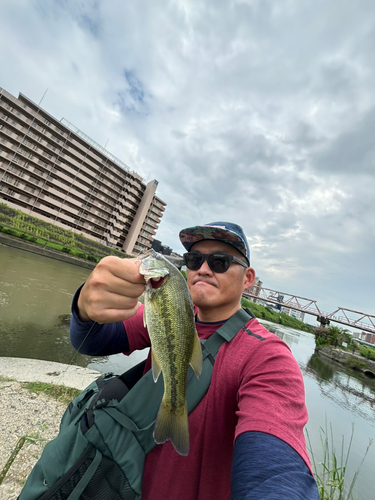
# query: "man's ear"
249,278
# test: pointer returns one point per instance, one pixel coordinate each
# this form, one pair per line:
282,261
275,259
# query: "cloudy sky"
254,111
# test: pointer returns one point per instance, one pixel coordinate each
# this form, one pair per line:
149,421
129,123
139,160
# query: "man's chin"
202,299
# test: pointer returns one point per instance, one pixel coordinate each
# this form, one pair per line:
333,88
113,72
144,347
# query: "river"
36,290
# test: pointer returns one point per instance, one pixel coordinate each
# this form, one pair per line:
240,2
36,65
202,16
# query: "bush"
367,352
66,249
10,231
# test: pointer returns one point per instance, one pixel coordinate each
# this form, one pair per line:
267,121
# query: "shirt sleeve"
266,468
89,337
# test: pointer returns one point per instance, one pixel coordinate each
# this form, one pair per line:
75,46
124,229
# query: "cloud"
251,111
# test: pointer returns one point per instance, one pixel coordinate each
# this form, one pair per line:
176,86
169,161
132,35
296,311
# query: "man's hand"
111,292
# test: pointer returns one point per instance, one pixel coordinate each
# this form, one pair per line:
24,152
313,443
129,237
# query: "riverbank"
27,246
348,359
23,413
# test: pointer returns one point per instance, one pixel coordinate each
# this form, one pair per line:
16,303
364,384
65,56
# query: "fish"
169,318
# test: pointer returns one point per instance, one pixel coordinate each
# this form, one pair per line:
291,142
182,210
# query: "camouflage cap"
221,231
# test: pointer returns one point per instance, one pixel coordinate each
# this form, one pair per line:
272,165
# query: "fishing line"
75,354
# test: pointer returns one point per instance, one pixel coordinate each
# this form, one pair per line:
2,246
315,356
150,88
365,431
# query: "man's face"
210,290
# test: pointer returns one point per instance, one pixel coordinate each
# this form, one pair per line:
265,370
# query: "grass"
6,379
16,223
330,474
59,392
275,316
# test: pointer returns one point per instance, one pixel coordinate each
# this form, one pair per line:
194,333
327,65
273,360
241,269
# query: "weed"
330,474
59,392
6,379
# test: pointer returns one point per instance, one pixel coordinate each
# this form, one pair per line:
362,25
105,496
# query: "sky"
256,112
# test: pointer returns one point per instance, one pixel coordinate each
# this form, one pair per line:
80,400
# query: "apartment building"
255,289
53,171
294,313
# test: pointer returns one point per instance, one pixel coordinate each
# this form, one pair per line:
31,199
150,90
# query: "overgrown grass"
275,316
367,352
59,392
18,224
330,473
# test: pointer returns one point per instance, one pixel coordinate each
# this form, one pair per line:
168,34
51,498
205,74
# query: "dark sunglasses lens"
219,263
193,260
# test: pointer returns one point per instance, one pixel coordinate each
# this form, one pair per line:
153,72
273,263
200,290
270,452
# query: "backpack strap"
197,388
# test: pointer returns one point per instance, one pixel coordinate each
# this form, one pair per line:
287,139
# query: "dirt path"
24,414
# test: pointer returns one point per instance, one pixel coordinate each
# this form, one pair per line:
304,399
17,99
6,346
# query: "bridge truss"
347,317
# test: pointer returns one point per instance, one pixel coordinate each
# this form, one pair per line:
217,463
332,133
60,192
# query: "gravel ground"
24,414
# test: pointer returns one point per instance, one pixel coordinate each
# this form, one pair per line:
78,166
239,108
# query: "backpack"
107,430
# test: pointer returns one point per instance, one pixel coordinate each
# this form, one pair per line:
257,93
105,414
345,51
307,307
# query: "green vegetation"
275,316
12,457
6,379
59,392
366,351
330,474
334,336
17,223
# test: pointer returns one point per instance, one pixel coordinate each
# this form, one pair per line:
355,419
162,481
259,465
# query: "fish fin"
196,357
144,317
156,368
155,305
173,426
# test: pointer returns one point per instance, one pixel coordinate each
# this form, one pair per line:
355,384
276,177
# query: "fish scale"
169,317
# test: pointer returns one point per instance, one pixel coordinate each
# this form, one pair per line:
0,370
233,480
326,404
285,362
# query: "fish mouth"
156,282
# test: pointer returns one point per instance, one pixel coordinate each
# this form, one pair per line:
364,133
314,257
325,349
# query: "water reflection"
349,389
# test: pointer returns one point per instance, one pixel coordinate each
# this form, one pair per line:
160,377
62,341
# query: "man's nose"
205,268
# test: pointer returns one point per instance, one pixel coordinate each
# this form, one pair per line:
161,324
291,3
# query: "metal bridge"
347,317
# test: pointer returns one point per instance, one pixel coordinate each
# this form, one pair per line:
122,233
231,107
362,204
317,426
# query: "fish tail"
173,425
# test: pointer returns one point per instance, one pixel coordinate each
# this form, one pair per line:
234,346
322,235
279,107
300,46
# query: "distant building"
255,289
294,313
368,337
159,247
53,171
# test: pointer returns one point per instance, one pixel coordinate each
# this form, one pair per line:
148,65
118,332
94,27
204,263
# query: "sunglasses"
217,262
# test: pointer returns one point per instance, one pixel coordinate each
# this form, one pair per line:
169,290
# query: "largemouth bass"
169,317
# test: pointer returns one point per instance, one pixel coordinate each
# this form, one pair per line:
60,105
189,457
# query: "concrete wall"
27,246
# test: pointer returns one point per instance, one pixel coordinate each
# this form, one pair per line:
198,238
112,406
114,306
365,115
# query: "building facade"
53,171
255,289
294,313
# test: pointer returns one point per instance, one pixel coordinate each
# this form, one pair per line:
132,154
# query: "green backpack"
106,431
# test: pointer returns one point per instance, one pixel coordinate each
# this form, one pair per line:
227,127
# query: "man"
246,434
